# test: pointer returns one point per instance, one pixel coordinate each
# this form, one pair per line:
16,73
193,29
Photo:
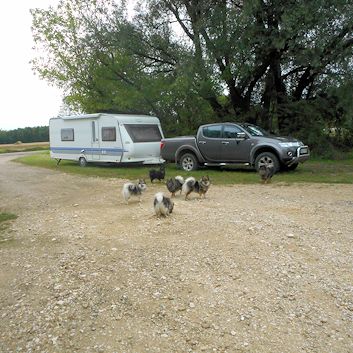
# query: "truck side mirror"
241,135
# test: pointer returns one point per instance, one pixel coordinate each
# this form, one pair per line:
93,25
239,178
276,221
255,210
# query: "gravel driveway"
252,268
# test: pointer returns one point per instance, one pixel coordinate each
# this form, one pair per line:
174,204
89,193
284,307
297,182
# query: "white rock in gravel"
290,235
192,305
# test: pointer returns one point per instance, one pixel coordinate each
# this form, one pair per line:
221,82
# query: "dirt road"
251,268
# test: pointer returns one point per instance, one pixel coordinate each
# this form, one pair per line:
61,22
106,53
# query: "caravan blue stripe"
87,149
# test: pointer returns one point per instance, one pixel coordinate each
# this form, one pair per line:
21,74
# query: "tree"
28,134
191,61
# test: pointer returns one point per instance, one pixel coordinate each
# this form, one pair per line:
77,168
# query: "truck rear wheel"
188,162
267,159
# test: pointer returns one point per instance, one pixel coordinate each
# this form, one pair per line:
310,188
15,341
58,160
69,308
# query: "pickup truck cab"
224,144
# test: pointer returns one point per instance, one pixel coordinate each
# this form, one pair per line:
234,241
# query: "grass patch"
312,171
24,147
4,216
5,219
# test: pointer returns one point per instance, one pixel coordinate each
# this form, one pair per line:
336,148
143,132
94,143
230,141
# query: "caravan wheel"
82,162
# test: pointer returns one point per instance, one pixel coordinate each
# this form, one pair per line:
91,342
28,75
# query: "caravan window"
67,134
143,132
108,134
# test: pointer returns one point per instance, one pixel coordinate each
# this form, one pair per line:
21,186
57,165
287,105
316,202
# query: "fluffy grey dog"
131,189
200,186
175,184
163,206
266,173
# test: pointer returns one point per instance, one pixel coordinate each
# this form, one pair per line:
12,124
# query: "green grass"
5,217
312,171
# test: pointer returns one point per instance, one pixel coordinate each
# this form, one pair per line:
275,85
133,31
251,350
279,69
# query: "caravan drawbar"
116,138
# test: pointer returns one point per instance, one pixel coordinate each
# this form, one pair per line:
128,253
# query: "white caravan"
116,138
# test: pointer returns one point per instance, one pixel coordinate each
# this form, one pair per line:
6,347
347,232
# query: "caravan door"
95,146
110,140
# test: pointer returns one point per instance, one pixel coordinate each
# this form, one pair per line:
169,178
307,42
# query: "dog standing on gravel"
157,174
175,184
131,189
200,186
163,206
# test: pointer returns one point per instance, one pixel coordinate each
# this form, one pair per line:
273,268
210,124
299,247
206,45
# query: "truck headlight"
289,144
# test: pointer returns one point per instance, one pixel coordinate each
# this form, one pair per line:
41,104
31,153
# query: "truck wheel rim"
266,161
188,164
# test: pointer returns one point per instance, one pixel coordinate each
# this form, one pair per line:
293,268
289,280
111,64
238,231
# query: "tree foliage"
28,134
272,62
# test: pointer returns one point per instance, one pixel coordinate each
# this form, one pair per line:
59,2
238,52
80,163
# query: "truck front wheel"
268,159
188,162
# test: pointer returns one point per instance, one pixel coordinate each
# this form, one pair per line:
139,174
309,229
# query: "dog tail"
188,185
180,179
159,197
158,204
126,191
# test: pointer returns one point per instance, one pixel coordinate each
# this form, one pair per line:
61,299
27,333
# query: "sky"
26,101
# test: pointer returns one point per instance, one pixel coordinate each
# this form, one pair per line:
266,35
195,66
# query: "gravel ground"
251,268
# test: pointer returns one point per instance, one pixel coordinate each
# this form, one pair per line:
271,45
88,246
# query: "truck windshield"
254,130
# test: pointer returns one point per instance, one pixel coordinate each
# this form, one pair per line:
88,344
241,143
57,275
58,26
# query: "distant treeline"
27,134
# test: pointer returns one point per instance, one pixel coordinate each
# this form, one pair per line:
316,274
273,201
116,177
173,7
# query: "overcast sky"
25,99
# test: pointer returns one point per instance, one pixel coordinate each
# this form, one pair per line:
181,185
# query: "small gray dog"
131,189
175,184
163,206
266,173
200,186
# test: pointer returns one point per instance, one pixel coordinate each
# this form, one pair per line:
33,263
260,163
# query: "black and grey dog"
200,186
266,173
175,184
131,189
163,206
157,174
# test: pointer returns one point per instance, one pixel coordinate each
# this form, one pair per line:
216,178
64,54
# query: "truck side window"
231,131
67,135
108,134
213,131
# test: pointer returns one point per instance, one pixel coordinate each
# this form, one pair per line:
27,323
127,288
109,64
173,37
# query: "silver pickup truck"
234,144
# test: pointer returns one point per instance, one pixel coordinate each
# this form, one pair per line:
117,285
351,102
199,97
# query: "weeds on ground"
5,219
312,171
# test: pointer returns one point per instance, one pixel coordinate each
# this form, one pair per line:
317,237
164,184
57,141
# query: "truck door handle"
202,142
225,142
